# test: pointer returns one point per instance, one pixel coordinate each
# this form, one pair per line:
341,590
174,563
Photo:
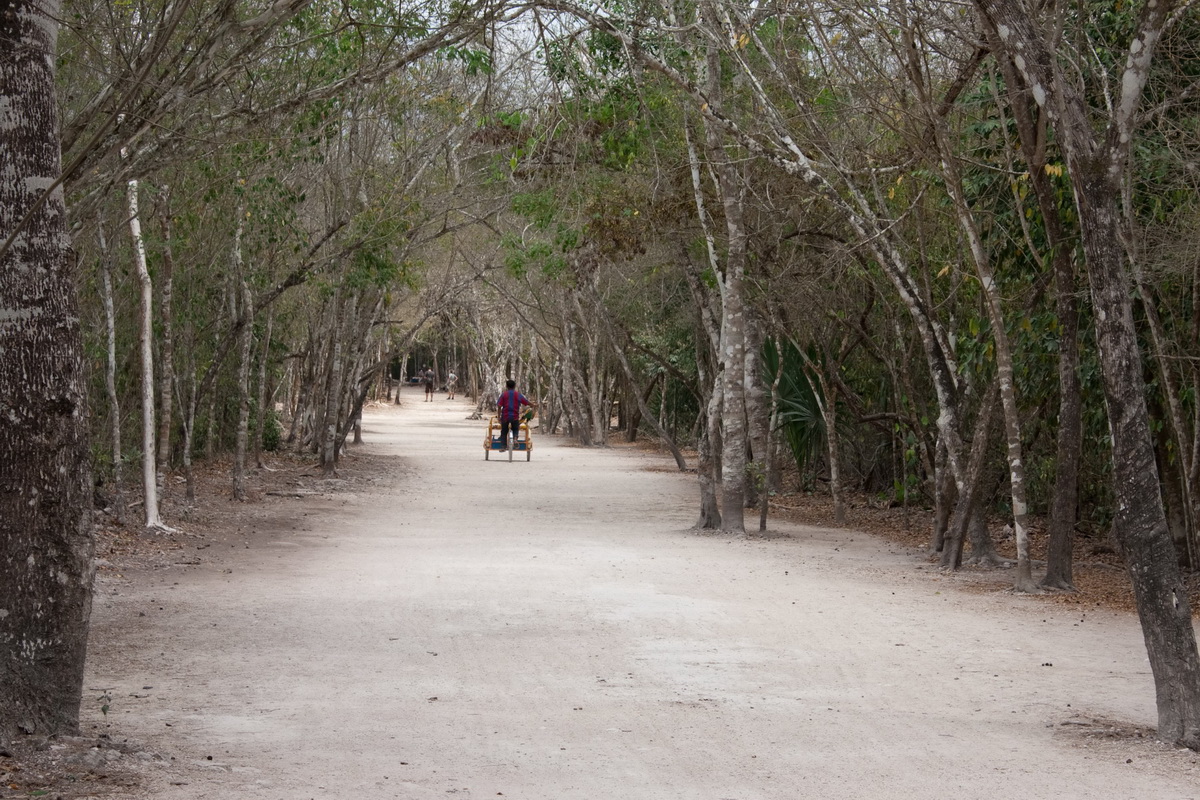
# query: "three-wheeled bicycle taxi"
523,442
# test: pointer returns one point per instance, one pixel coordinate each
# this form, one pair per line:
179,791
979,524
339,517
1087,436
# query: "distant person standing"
451,384
508,409
428,378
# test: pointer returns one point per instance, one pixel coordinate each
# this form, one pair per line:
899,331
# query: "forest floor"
429,624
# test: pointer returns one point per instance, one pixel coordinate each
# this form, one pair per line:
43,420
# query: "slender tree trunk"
1069,438
263,397
647,414
243,377
188,411
733,324
772,471
110,378
968,495
166,347
757,415
146,344
1174,416
993,303
944,497
709,445
333,395
46,547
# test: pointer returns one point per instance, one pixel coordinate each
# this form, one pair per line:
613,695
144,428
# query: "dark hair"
510,384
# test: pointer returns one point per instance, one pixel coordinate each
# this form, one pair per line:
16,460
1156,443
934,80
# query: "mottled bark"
757,415
1030,127
968,495
709,445
46,565
993,303
1140,525
733,319
1097,163
944,494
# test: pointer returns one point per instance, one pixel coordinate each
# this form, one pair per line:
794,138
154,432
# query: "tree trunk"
646,414
243,388
146,344
333,396
944,497
968,495
757,415
709,443
188,411
733,323
1069,439
166,347
46,547
1064,509
263,396
772,471
993,303
1140,525
110,378
1097,166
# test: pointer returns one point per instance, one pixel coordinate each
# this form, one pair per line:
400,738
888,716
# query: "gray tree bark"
166,346
110,377
46,547
1030,127
1097,162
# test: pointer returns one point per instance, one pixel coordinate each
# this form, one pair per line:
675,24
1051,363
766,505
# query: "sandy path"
551,631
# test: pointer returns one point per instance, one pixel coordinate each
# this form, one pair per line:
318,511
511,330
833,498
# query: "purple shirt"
509,405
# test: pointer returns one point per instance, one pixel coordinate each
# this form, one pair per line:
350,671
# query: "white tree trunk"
146,344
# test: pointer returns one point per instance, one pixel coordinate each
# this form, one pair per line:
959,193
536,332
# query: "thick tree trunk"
1140,525
1097,166
46,564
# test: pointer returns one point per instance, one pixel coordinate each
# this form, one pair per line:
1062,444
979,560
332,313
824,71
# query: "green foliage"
272,432
475,62
800,417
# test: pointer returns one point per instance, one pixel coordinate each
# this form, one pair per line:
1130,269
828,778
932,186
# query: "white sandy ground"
552,630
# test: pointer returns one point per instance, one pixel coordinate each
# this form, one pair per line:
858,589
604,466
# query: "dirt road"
552,631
